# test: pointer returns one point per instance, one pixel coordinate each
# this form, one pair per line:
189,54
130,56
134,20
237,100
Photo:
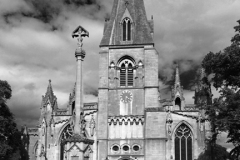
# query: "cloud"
36,44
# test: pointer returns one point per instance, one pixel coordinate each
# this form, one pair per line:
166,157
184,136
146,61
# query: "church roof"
142,27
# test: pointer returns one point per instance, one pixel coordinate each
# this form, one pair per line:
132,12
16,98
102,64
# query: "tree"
219,152
10,137
223,70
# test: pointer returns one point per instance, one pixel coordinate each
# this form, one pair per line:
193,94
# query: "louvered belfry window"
130,75
183,143
126,73
123,75
126,24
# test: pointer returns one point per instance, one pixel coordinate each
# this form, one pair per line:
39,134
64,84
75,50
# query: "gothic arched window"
183,143
126,26
126,67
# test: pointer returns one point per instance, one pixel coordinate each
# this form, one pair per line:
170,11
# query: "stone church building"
130,121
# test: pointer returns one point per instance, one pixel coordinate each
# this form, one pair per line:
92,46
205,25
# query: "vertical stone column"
79,91
80,32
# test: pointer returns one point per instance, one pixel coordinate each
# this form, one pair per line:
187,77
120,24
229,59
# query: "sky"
36,45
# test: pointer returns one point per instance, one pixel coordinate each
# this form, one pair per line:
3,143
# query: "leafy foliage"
10,137
214,152
224,69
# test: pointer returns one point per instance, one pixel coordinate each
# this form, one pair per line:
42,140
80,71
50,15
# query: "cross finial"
126,3
80,32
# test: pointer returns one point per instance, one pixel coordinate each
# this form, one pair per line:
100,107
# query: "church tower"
128,81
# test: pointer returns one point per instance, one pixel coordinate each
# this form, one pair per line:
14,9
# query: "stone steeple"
141,28
177,77
49,95
177,90
49,104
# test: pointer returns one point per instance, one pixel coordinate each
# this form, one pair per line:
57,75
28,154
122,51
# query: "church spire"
177,77
177,90
49,95
128,24
49,89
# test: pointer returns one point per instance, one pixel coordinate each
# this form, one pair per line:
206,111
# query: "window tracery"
67,133
183,143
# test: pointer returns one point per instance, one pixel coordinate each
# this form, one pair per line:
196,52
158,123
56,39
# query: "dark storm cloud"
187,31
44,10
187,71
79,2
49,11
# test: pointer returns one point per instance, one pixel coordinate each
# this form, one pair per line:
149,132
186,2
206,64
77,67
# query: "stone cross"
80,32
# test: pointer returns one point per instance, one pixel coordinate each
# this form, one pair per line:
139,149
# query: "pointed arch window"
183,143
126,67
126,28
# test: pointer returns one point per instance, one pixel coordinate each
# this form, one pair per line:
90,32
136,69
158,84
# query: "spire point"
177,76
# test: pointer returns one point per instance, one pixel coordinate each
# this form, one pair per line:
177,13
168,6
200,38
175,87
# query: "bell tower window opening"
183,143
126,67
126,26
178,102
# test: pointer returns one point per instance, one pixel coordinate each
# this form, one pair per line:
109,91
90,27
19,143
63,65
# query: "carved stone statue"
92,126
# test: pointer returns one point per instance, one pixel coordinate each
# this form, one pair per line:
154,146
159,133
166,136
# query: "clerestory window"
183,143
126,68
126,28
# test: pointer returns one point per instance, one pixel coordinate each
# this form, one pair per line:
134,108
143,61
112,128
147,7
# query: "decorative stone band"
89,113
154,109
113,120
62,112
80,53
62,121
185,115
78,138
90,106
